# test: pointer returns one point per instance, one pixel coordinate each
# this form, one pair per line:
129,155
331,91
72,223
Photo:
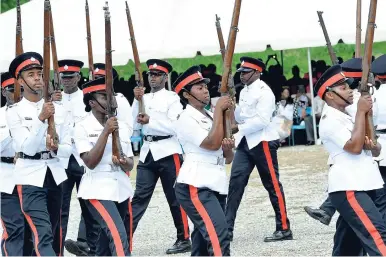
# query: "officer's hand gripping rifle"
19,48
89,45
224,89
46,70
111,102
366,62
138,72
331,52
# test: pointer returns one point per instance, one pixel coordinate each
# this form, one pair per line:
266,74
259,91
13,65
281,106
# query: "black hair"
289,100
86,101
183,100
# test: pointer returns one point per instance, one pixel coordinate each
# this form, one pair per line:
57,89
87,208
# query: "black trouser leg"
112,235
265,157
206,210
168,169
346,242
241,170
328,207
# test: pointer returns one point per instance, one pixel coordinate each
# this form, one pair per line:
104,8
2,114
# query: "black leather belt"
46,155
150,138
7,159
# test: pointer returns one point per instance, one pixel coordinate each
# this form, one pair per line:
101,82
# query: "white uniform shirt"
254,114
74,112
124,111
352,109
106,181
286,111
29,135
201,167
7,182
349,172
163,108
380,94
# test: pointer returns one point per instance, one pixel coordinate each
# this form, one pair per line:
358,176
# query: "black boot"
319,214
180,246
279,236
230,235
76,247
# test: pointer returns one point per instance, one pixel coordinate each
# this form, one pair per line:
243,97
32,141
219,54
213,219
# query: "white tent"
180,28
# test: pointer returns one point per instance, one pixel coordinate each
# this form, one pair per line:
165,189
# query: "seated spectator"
300,105
308,120
283,115
295,80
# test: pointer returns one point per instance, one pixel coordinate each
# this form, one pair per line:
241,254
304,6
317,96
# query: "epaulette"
178,116
12,105
324,116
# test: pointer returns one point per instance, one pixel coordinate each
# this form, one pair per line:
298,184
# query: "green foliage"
9,4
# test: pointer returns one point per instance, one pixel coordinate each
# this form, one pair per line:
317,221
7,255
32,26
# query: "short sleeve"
189,130
336,133
82,142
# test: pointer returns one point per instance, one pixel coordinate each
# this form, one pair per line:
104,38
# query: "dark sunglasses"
12,89
155,74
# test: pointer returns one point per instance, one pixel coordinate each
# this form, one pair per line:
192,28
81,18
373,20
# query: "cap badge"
155,65
97,69
242,63
65,67
33,59
199,74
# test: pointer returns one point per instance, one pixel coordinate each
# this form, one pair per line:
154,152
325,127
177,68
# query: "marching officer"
105,186
38,170
378,68
161,153
354,179
201,186
258,147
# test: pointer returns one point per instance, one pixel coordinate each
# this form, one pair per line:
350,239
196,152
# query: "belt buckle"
45,156
149,138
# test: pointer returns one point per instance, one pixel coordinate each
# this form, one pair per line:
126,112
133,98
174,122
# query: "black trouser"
360,223
148,173
16,239
110,216
41,208
328,207
264,157
90,227
205,209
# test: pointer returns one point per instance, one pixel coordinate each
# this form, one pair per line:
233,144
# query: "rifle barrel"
331,51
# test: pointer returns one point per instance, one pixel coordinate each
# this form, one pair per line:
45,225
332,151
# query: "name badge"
27,118
2,126
93,135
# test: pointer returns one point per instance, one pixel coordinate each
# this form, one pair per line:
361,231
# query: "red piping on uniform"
29,220
111,225
4,237
366,222
131,226
183,213
207,221
60,233
275,183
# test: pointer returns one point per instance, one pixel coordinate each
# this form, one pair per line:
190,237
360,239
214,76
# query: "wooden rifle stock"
220,37
46,70
54,54
89,45
358,30
366,62
228,117
19,48
111,102
331,52
138,72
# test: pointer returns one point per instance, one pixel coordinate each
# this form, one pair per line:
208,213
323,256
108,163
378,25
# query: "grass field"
291,57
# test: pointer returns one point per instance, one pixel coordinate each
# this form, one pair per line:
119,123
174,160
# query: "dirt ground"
303,173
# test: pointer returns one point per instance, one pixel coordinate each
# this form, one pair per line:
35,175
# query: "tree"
9,4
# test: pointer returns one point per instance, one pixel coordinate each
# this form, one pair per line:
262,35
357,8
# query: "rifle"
19,48
89,45
331,52
111,102
46,70
224,89
220,37
366,62
54,54
138,72
358,30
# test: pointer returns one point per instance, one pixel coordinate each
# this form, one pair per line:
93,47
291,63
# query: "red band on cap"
331,81
69,69
7,82
24,64
382,76
252,66
353,74
158,67
94,89
186,81
100,72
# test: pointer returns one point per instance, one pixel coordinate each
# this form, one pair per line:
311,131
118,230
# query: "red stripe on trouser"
111,226
60,233
131,226
276,186
29,220
183,213
4,237
207,221
366,222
